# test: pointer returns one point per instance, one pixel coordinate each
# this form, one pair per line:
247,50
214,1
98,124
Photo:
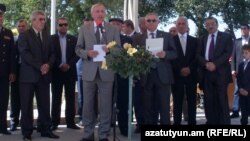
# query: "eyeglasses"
41,19
63,24
151,21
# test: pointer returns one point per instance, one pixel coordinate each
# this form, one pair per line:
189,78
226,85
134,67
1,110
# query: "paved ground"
75,135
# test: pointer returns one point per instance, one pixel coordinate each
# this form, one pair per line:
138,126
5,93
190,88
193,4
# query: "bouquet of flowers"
128,61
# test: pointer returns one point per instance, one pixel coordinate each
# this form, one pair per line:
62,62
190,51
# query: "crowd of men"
34,60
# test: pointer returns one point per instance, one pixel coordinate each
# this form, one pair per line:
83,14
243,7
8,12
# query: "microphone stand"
114,108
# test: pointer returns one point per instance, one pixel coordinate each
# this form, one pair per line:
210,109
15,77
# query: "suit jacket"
7,52
164,67
243,77
222,53
33,56
86,41
237,57
71,57
189,60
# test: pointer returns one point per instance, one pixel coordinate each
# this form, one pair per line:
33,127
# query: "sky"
193,28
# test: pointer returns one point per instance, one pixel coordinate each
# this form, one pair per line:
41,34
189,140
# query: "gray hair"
95,5
154,14
36,13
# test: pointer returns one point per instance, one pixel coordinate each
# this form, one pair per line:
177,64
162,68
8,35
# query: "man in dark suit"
185,71
237,58
7,69
214,51
94,78
129,30
63,74
243,81
158,82
35,75
22,26
122,85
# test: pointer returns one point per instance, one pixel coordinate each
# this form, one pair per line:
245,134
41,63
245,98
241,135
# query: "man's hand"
44,69
161,54
185,71
12,77
210,66
64,67
92,53
243,92
105,49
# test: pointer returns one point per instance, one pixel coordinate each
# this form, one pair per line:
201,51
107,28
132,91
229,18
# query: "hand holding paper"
101,53
155,46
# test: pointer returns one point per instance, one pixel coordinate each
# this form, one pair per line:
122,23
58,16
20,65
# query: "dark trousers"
138,103
215,99
122,104
57,88
15,103
245,109
178,91
4,94
156,90
27,91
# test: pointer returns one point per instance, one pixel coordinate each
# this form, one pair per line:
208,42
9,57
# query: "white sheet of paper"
101,53
154,45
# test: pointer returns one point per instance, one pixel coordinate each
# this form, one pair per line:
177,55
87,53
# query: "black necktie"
97,35
245,65
152,35
39,39
211,49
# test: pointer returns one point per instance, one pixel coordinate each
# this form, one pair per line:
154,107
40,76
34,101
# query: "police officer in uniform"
7,69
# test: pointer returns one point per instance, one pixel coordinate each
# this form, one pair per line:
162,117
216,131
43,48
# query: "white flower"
131,51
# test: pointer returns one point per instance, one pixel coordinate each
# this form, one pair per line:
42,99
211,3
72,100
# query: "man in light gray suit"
97,32
157,83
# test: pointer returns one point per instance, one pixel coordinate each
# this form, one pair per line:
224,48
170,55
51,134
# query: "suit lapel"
188,49
204,44
91,31
217,44
58,46
34,36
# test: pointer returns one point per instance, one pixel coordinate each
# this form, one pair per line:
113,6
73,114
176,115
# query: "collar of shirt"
215,35
96,25
39,32
149,35
245,40
182,35
61,35
132,33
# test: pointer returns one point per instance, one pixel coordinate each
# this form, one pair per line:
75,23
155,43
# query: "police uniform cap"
116,20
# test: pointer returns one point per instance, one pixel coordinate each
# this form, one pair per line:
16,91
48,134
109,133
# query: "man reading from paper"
157,83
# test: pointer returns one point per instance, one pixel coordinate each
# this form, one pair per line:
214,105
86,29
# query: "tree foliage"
233,12
164,8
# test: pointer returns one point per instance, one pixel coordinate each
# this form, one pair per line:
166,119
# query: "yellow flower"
127,46
111,44
131,51
104,65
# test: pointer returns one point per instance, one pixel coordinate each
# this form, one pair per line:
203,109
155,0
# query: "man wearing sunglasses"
35,76
63,74
157,83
